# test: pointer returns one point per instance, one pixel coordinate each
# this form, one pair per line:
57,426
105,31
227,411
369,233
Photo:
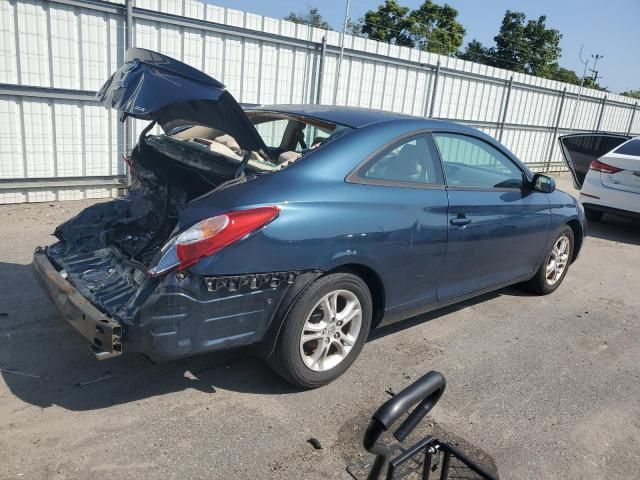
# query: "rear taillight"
209,236
599,166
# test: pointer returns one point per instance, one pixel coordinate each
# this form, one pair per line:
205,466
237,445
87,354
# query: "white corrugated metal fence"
57,142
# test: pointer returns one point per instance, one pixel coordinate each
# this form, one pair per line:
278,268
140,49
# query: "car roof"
353,117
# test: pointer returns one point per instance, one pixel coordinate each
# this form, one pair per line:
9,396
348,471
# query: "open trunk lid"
580,149
152,86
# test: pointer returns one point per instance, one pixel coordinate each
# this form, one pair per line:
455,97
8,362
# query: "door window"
413,160
471,162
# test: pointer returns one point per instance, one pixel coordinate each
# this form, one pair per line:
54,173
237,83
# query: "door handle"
460,220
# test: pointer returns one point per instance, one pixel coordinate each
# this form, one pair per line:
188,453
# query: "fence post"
128,43
554,134
633,116
434,91
604,104
503,120
323,52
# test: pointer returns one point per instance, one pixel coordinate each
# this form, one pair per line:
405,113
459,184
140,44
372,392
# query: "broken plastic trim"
251,281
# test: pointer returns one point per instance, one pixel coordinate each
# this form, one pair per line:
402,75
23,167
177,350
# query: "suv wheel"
324,331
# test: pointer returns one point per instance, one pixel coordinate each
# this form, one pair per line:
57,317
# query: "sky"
608,28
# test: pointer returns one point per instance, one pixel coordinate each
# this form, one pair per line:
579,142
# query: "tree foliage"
476,52
430,27
521,45
527,46
311,17
389,23
567,76
632,93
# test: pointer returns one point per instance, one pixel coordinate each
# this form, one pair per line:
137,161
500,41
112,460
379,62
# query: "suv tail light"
599,166
209,236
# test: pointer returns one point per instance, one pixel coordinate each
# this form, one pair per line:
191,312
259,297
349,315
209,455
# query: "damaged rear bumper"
180,315
103,332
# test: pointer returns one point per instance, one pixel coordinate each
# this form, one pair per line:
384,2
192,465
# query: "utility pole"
344,28
593,70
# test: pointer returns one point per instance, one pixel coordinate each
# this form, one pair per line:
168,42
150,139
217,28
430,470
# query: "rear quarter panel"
326,222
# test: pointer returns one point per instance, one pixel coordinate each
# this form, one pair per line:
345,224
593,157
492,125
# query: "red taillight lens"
599,166
218,232
211,235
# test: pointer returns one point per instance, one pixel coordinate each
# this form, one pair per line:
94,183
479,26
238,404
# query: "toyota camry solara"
295,229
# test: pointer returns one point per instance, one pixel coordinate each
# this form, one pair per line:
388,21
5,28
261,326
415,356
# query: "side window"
272,131
471,162
413,160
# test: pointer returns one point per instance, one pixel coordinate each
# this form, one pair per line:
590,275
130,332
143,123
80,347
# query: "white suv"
606,170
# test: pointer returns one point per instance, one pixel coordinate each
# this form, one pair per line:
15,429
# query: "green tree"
475,52
632,93
567,76
434,28
354,27
430,27
389,23
527,46
311,17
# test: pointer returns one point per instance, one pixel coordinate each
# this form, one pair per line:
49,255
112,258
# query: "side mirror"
543,183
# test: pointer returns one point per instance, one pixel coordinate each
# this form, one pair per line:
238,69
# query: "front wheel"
556,264
324,331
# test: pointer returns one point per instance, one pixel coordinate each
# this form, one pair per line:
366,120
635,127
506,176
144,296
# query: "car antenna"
243,164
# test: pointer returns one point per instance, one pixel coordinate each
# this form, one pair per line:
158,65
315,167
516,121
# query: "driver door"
497,229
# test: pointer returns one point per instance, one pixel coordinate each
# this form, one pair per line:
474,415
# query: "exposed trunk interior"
106,249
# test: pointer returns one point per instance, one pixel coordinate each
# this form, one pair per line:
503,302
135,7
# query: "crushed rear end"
103,273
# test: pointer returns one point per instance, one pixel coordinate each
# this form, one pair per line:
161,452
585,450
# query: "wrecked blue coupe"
294,229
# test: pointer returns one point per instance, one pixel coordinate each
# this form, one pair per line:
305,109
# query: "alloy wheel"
331,330
558,260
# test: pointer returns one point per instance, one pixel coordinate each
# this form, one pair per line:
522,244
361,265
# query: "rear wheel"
593,215
553,270
324,331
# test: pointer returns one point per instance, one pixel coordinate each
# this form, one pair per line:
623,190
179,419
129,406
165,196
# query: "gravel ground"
547,387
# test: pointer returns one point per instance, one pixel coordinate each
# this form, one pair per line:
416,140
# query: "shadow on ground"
615,229
45,362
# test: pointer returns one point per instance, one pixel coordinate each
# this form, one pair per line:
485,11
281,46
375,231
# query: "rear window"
632,147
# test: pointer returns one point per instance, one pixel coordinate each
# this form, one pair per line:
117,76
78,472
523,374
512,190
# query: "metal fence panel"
57,142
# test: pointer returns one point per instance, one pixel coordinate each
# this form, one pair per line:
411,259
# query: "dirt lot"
548,387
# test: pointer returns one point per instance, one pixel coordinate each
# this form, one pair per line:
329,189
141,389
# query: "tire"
541,283
313,363
593,215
